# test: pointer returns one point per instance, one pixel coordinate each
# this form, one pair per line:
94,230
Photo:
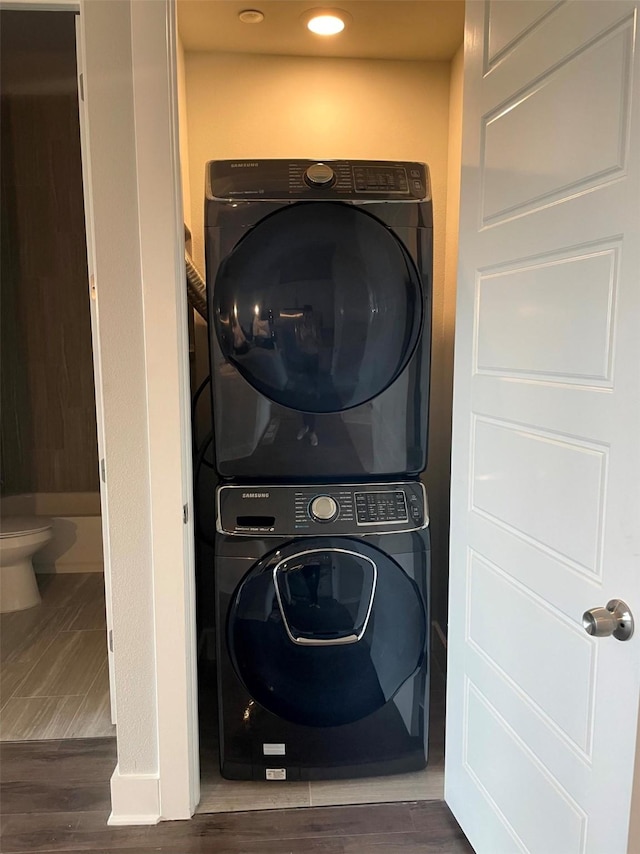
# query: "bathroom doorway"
54,660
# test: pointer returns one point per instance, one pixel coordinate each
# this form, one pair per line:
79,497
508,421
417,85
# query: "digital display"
373,508
380,179
255,523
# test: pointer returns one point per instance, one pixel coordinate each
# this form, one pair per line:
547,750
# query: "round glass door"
326,634
319,307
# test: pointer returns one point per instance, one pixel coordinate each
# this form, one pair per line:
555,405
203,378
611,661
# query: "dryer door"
319,307
325,632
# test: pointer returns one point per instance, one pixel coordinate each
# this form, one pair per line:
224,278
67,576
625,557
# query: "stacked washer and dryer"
319,282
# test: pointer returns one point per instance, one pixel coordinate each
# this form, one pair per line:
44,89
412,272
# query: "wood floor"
54,679
55,798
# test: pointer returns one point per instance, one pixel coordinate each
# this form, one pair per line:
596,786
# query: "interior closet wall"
442,375
48,430
184,134
252,106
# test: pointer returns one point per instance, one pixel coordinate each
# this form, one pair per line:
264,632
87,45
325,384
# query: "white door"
541,717
97,371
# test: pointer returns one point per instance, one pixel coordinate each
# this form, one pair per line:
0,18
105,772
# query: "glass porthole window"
324,633
319,307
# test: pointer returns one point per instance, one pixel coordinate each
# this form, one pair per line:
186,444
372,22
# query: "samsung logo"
242,165
255,494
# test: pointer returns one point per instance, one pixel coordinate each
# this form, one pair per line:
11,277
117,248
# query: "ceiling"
378,29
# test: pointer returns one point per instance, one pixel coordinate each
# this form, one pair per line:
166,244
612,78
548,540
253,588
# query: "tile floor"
54,680
221,796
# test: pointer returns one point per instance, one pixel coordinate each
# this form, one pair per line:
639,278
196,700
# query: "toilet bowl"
20,538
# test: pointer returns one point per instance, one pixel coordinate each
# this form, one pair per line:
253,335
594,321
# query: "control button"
320,175
417,185
323,508
415,508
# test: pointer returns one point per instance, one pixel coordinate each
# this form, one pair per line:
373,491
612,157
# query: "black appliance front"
320,317
322,640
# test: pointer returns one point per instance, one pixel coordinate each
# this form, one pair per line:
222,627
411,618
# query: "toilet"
20,538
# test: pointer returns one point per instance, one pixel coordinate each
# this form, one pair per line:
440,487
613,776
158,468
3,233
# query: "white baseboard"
135,799
60,567
130,820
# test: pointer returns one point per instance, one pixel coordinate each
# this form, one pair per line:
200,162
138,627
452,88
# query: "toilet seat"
22,526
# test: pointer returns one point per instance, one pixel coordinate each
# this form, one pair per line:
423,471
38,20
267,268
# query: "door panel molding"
546,462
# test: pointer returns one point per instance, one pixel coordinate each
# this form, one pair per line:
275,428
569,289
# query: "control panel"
378,180
375,507
353,509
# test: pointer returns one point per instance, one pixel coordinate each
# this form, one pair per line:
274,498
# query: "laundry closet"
387,114
544,450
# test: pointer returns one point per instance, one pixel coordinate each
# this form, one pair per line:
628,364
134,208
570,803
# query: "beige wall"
443,333
242,106
183,133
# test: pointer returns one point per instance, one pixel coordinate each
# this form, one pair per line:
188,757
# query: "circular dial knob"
320,175
323,508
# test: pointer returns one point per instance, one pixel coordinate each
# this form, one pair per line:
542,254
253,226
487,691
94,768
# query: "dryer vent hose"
196,288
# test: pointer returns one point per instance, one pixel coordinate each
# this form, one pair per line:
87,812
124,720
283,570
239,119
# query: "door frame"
131,107
97,377
127,54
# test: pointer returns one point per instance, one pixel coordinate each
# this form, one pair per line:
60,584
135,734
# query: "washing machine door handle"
313,563
309,641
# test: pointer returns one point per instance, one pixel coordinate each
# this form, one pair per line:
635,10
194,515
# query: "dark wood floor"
55,797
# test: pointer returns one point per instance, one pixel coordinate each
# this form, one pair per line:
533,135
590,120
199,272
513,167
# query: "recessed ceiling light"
251,16
326,22
326,25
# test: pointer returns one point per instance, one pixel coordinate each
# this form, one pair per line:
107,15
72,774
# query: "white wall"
134,200
634,828
111,128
